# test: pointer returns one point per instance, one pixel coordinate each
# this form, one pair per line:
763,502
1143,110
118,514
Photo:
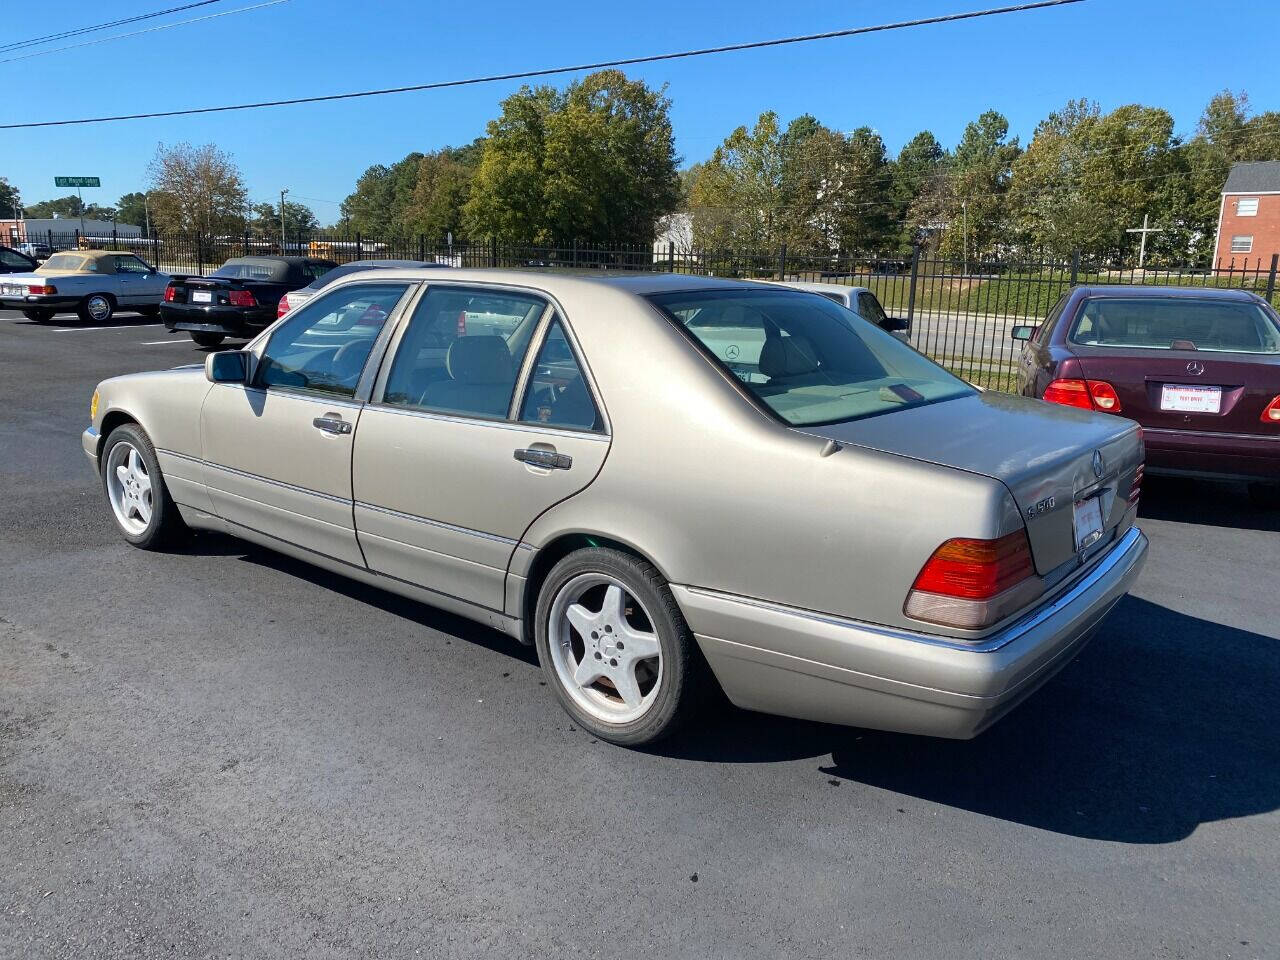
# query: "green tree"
382,196
861,192
441,191
197,189
738,195
299,220
1087,176
595,162
132,208
920,166
68,207
8,199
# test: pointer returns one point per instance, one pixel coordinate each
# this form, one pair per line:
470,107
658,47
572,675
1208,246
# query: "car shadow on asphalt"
1187,500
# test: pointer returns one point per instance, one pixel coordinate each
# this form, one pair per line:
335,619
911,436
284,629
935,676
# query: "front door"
277,451
482,421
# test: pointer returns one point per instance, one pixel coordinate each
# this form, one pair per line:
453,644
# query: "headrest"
787,357
480,359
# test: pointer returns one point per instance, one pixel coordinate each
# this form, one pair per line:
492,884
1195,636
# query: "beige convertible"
664,482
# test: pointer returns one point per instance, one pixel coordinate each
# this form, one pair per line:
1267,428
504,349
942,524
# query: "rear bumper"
798,663
1227,456
231,321
33,301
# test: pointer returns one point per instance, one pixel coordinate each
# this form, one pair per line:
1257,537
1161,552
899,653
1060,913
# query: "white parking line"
123,326
153,343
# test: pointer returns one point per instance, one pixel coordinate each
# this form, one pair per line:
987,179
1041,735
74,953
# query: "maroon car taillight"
1271,413
1085,394
170,293
969,583
242,298
282,307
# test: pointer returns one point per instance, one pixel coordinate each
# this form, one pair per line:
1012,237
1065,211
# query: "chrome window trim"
320,399
523,375
1001,638
489,422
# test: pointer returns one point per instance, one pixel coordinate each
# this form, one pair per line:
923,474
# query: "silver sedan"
663,482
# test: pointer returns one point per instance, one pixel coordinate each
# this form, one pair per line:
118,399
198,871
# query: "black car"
238,299
295,298
12,261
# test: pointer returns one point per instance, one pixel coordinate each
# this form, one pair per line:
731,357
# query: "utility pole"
1142,247
282,193
964,205
146,208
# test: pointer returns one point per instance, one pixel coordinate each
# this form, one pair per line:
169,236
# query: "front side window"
323,347
1168,323
557,394
1242,244
462,351
130,264
801,357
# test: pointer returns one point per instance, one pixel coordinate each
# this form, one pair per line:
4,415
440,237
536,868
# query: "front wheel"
616,648
144,512
38,314
96,308
207,339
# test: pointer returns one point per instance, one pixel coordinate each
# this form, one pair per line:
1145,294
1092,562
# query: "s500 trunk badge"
1099,465
1043,506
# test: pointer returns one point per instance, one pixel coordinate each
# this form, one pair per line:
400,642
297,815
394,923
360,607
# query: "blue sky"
1170,53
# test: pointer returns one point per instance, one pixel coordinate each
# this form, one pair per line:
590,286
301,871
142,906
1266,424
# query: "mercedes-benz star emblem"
1099,465
1195,367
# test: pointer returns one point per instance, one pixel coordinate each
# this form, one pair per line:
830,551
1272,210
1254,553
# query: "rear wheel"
38,314
97,308
616,648
144,512
207,339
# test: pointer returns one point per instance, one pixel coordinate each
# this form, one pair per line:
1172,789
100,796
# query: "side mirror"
1023,332
150,269
894,324
227,366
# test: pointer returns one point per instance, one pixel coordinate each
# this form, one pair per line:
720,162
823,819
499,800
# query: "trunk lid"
1245,384
1044,455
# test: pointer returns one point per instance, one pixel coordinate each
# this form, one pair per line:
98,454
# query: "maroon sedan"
1198,368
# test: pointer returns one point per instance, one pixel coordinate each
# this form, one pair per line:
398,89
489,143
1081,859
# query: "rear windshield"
67,261
252,270
1175,323
809,360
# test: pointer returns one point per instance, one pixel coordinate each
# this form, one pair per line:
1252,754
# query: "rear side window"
252,270
1174,323
557,394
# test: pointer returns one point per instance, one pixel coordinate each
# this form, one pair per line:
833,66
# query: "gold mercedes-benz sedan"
664,482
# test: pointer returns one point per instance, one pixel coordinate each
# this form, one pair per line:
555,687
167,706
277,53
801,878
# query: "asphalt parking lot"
224,752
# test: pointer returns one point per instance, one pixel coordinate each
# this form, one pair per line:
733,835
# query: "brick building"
1249,219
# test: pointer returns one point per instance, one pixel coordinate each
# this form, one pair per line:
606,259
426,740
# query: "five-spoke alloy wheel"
615,646
129,488
135,488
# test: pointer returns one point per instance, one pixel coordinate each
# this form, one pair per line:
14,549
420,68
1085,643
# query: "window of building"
1247,207
1242,244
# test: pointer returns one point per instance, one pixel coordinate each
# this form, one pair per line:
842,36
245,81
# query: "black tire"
1265,496
38,314
685,678
151,312
166,525
207,339
97,308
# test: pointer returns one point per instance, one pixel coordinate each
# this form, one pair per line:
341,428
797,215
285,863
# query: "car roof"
638,283
274,259
1130,291
816,286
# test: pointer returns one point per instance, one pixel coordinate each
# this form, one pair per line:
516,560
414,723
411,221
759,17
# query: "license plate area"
201,296
12,290
1087,522
1185,398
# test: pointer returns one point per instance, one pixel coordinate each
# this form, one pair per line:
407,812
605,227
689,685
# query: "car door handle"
331,424
538,457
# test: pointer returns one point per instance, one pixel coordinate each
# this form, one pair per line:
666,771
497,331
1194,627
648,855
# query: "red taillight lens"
1086,394
282,307
974,583
977,569
170,293
43,290
242,298
1271,413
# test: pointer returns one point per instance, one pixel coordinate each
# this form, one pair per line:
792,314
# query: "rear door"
277,452
1183,363
483,418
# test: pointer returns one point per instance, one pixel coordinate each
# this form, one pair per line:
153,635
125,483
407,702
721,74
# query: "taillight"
282,307
973,583
1086,394
462,324
1271,413
42,290
242,298
170,293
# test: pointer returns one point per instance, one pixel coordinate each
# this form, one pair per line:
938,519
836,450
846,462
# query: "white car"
91,283
858,299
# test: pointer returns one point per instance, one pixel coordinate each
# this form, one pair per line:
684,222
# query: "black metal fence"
961,312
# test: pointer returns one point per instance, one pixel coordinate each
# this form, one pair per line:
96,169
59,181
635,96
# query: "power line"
136,33
36,41
552,71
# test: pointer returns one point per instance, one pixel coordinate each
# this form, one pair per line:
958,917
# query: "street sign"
77,182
